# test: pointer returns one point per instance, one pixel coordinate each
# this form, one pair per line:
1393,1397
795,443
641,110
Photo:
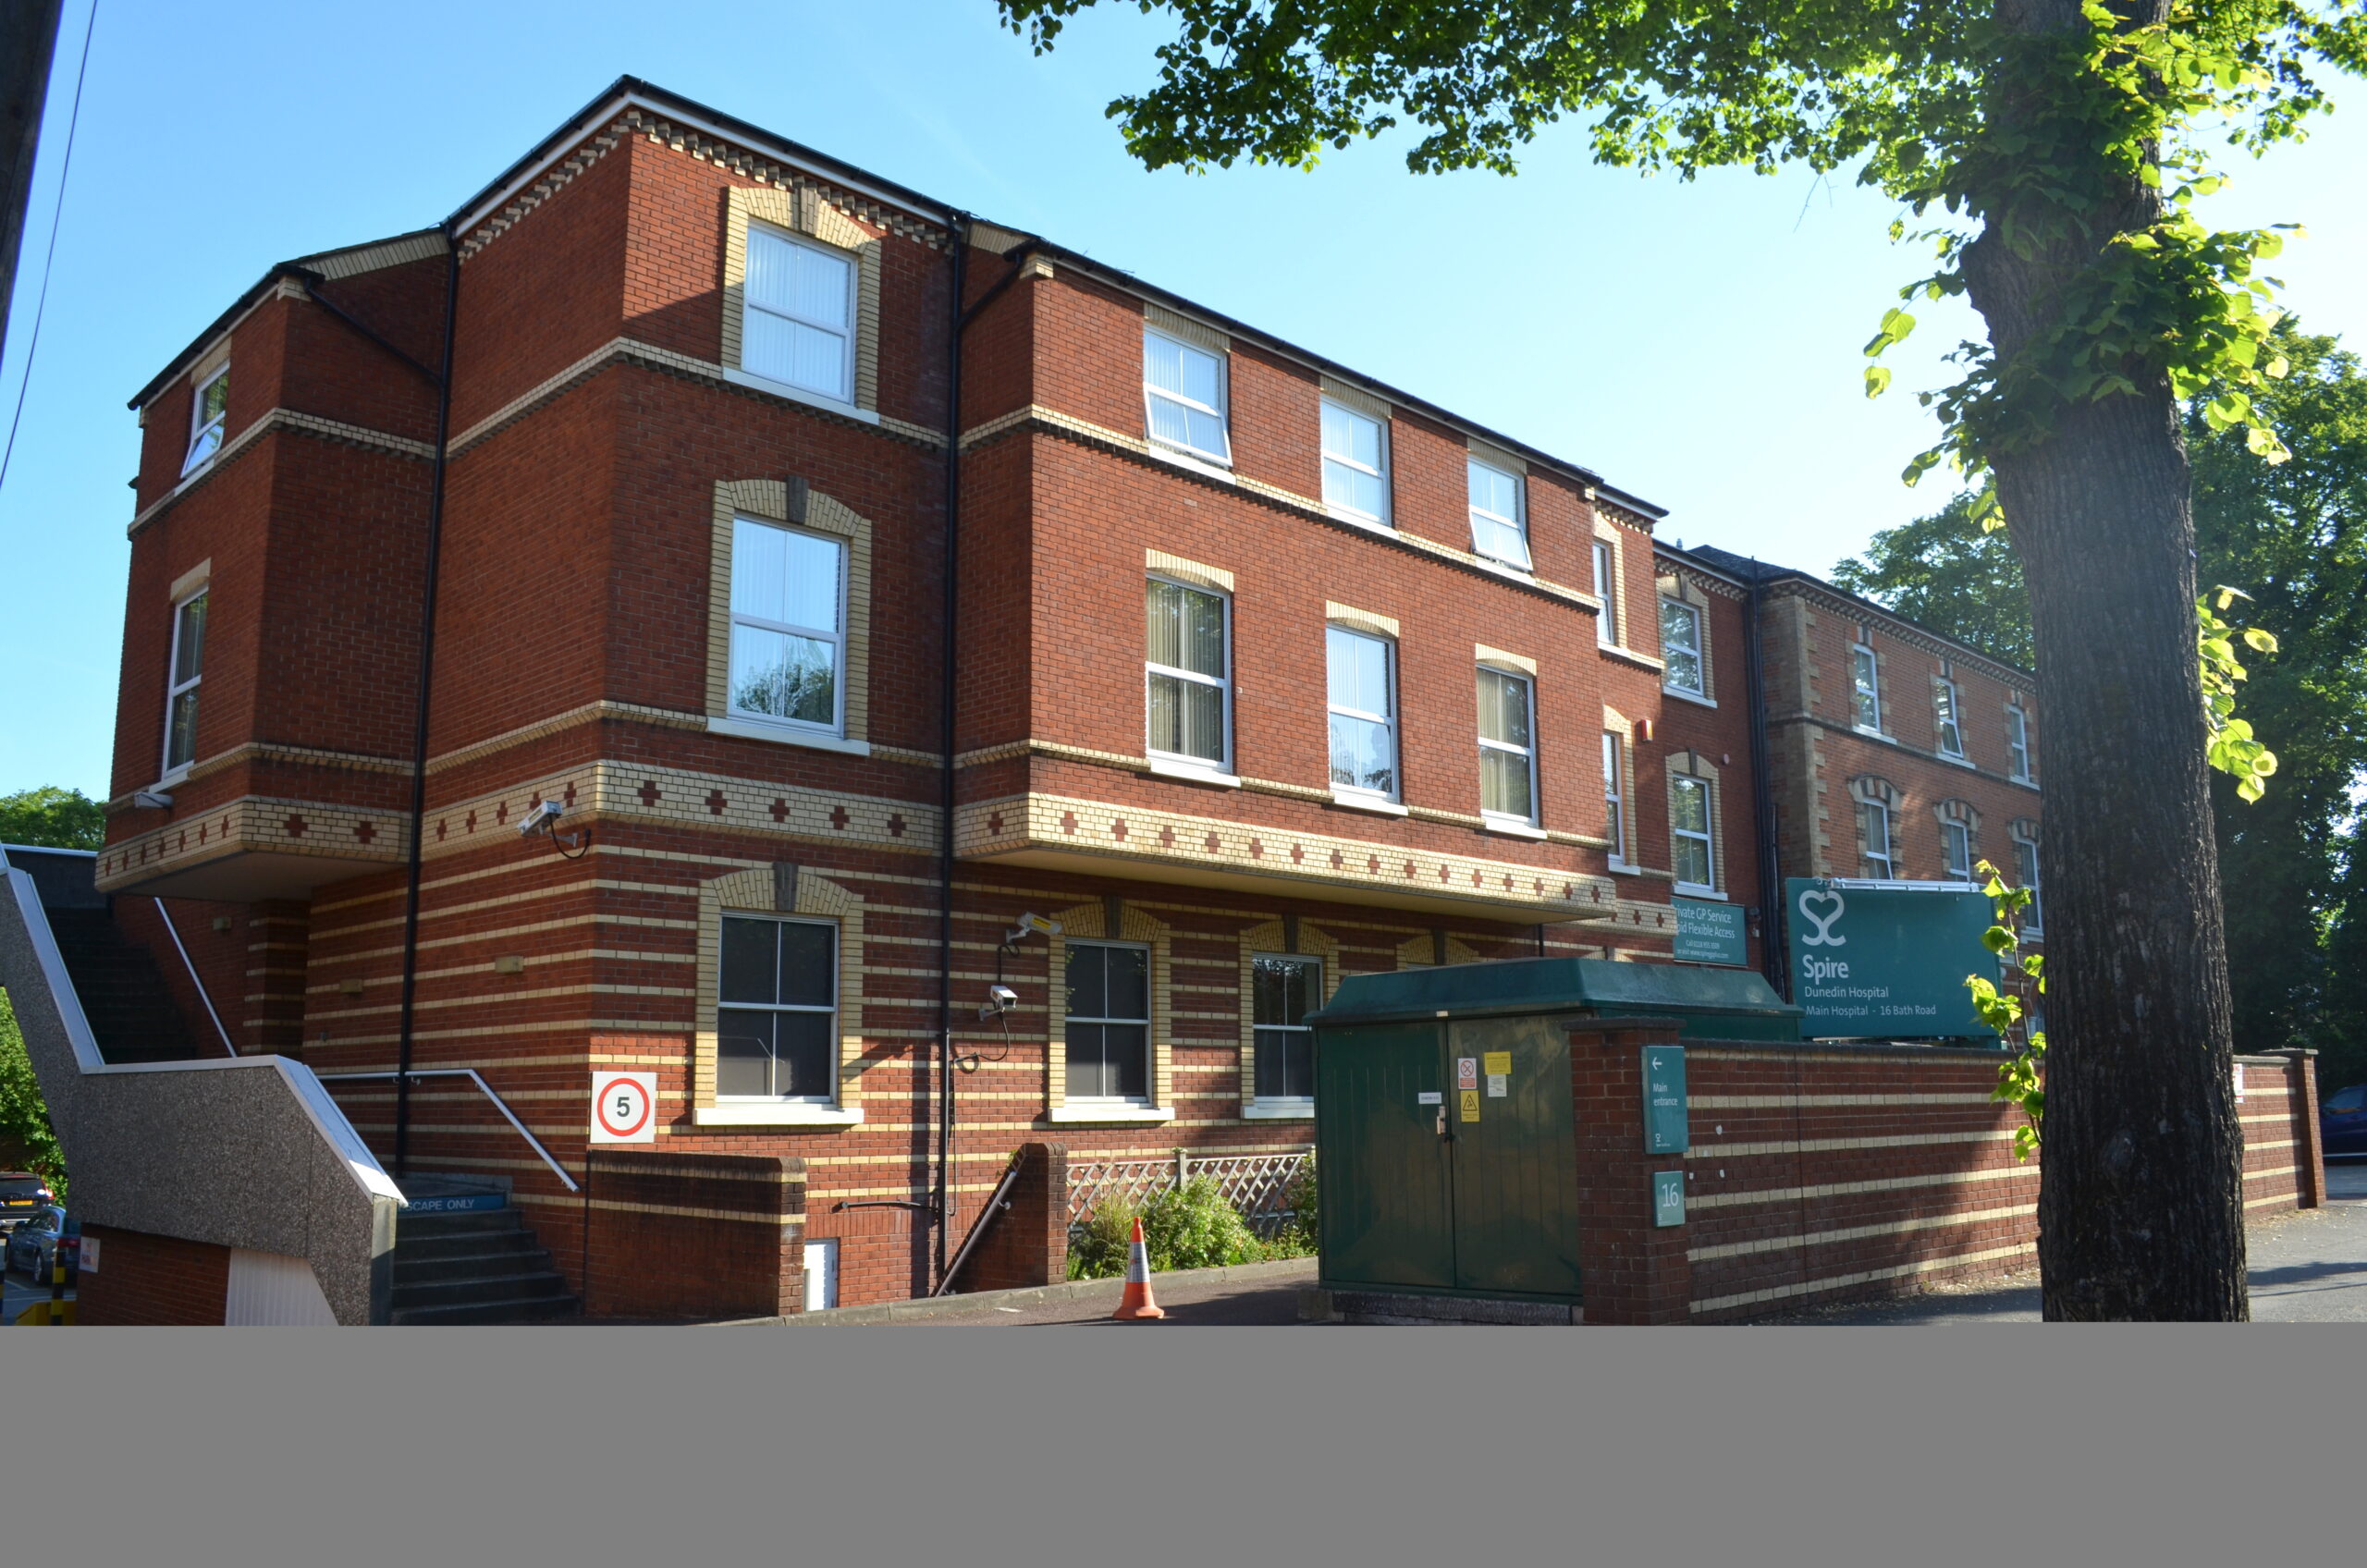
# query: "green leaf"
1877,380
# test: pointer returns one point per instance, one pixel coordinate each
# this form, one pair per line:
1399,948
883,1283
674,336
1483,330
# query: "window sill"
1522,574
1512,829
1090,1114
1162,768
1618,867
1349,801
1873,735
171,776
1279,1111
775,1113
1358,520
781,734
1217,469
782,389
2026,780
1955,761
1684,697
1695,890
1629,656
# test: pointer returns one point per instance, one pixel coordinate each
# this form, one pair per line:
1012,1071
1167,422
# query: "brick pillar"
279,938
2309,1139
1630,1270
1027,1244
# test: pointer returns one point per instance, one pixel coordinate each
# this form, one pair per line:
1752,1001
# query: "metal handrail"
500,1104
194,978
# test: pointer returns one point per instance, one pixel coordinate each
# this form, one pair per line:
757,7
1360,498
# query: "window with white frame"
1943,717
776,1013
1355,463
1498,515
787,626
1613,798
1874,857
206,412
1362,709
2017,744
1865,688
187,669
1691,831
797,322
1507,747
1956,849
1287,991
1184,392
1683,668
1109,1022
1189,685
1606,588
2026,875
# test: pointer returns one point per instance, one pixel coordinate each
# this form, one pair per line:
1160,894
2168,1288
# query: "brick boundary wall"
1028,1242
1831,1173
144,1278
738,1221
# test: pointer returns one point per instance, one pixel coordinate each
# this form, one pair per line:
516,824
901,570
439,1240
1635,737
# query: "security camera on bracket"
544,819
1001,998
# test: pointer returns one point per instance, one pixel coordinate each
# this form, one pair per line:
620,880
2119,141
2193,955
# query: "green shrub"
1299,1235
1097,1247
1194,1227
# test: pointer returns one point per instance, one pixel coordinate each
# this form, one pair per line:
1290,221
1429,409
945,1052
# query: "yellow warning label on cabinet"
1494,1062
1471,1105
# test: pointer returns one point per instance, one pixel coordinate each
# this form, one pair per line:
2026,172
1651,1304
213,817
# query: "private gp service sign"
624,1108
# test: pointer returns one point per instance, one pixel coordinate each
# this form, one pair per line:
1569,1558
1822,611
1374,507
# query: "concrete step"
540,1309
461,1244
499,1283
408,1226
438,1267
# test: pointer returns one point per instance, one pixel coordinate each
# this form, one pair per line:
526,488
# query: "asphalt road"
21,1293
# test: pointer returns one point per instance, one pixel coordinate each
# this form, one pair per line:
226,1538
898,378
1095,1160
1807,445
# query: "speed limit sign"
624,1108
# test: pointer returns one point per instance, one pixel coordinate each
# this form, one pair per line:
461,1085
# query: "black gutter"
419,727
1762,803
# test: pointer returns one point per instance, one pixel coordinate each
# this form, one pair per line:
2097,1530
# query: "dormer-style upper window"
1184,388
205,416
798,328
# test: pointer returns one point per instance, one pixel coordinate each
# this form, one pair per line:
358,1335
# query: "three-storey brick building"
855,578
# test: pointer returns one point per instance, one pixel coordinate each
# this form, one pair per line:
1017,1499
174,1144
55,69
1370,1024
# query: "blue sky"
1697,343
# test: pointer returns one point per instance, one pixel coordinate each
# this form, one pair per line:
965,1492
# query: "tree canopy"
63,819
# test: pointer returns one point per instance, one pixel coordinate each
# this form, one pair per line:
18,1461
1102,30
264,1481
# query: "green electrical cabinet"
1446,1148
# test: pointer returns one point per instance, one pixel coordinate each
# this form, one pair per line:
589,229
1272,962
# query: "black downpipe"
960,322
955,322
419,727
1771,885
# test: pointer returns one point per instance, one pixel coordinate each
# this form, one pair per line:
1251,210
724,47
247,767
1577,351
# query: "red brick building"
761,489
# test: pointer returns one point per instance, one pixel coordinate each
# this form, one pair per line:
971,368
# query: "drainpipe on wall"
1762,798
419,729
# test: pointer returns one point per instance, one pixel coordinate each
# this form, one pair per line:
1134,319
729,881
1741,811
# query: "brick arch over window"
1092,922
1960,811
1276,937
2024,827
793,502
804,211
1875,789
779,888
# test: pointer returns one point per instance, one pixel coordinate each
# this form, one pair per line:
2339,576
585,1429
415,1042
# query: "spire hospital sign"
1886,960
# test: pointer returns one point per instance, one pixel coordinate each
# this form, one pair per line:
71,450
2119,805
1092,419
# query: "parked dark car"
33,1244
22,1195
2342,1120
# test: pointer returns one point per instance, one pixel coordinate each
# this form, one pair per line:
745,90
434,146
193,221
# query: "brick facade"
605,433
144,1278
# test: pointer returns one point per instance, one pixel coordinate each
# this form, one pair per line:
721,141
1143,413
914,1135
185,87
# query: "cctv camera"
1030,925
1003,999
540,819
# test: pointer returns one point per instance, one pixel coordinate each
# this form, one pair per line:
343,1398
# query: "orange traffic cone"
1137,1304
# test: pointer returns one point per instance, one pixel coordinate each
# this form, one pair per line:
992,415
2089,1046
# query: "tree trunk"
2141,1202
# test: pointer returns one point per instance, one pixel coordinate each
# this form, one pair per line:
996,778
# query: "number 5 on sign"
624,1108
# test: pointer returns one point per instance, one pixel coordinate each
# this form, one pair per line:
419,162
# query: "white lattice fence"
1256,1181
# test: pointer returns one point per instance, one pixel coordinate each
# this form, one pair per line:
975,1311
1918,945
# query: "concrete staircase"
131,1013
462,1254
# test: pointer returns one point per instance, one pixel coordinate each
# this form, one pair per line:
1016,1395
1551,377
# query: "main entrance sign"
1887,962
